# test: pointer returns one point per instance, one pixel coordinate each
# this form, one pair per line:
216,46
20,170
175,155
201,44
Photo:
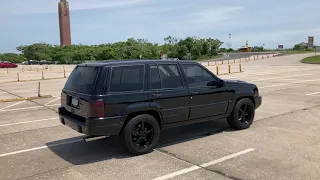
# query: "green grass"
312,59
210,58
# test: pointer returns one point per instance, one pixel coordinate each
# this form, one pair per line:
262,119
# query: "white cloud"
214,14
51,6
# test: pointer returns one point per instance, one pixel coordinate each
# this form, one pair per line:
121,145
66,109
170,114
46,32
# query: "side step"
93,138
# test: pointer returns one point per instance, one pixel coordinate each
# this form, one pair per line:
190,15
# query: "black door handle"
156,95
194,92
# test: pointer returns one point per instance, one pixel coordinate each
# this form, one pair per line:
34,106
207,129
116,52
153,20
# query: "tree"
188,48
300,46
12,57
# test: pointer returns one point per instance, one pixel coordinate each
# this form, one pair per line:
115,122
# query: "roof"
120,62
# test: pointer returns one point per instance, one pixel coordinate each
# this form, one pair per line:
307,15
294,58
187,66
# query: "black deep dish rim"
244,114
143,134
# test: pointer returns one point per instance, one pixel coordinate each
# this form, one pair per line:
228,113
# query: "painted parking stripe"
41,147
193,168
276,85
313,93
53,105
280,77
34,107
52,101
25,122
12,105
18,109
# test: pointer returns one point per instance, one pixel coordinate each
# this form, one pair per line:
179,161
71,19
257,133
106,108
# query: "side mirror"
219,83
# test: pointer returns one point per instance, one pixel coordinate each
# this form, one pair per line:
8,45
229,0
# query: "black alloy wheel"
242,115
141,134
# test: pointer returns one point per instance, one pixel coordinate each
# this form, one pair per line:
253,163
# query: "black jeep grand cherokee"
138,98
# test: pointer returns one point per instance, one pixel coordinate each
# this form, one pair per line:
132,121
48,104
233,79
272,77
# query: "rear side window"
165,77
82,79
127,78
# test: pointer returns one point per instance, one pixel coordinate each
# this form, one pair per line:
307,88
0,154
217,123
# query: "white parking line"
193,168
41,147
53,105
24,122
279,89
286,84
313,93
280,77
18,109
52,101
12,105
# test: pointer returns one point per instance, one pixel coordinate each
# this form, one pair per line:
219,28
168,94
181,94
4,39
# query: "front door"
205,101
168,92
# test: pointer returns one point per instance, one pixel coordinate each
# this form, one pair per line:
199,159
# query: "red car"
7,65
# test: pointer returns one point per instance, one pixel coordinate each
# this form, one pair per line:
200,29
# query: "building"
64,23
245,49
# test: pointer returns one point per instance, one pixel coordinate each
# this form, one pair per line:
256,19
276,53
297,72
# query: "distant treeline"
188,48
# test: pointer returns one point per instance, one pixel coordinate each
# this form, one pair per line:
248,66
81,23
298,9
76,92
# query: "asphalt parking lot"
282,143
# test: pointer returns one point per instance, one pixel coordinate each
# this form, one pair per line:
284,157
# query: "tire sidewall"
235,113
128,134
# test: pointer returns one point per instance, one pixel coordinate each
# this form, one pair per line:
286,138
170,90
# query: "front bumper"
257,101
92,126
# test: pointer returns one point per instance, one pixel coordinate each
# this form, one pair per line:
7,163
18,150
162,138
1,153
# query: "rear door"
168,91
205,101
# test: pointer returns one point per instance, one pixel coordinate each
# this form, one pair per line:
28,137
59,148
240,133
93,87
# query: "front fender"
240,92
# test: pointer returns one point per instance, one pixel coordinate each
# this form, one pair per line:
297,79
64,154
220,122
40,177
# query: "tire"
140,142
236,120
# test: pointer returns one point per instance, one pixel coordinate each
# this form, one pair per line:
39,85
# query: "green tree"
12,57
188,48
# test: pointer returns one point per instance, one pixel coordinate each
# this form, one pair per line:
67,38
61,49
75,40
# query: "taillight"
97,108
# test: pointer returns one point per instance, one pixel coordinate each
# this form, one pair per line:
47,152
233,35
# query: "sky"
271,22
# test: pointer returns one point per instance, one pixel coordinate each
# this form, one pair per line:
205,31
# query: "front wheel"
242,115
141,134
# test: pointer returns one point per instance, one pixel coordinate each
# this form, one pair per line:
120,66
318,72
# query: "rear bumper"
92,126
258,101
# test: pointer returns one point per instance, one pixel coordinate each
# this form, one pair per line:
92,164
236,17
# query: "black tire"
138,141
239,119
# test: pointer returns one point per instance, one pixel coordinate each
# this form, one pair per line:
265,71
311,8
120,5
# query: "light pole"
229,42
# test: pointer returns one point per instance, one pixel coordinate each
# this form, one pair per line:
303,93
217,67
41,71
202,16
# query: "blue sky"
268,22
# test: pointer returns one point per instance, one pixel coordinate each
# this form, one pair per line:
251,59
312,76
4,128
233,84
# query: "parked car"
137,99
24,63
45,62
6,64
32,62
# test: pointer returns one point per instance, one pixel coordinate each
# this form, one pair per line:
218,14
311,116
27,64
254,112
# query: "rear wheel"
141,134
242,115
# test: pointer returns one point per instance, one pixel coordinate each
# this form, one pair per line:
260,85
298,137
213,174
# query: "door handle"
156,95
194,92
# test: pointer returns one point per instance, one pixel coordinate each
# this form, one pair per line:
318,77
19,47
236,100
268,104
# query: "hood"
237,83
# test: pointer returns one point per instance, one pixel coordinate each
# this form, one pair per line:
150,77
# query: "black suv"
138,98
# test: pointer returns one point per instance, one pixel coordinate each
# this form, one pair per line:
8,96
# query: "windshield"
82,79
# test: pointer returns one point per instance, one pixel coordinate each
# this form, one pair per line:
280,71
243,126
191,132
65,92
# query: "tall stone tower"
64,23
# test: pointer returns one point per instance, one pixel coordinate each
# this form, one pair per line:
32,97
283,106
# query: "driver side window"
197,76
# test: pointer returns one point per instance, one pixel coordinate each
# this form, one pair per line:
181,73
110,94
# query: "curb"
26,98
309,62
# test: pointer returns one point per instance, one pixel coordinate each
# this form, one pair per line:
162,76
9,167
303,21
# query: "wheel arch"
136,109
